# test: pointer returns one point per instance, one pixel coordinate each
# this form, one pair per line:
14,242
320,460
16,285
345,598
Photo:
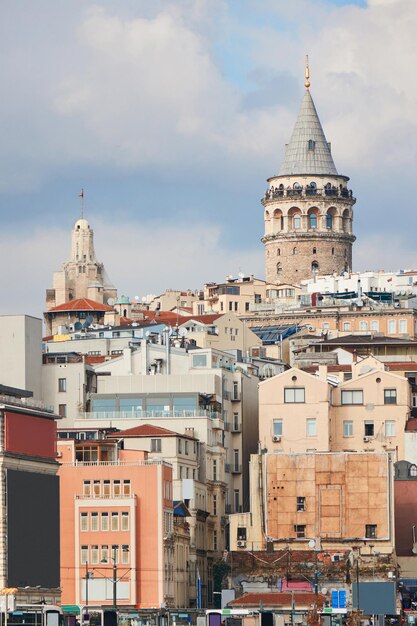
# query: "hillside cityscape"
240,454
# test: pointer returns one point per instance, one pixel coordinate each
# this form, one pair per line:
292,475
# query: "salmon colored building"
116,525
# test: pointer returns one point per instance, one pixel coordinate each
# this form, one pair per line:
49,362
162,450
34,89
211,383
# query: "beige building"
336,501
82,276
223,332
301,412
173,299
240,295
308,207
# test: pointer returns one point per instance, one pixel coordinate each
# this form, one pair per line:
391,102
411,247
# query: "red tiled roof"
82,304
411,425
146,430
277,598
125,321
205,319
399,366
93,359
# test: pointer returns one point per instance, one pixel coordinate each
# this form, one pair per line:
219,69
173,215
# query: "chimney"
323,373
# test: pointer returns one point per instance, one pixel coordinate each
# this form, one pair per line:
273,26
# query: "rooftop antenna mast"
307,74
81,195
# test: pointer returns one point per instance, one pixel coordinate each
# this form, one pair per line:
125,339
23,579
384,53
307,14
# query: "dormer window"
311,144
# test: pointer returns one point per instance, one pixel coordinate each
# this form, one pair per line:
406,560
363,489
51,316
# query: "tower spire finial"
307,74
81,195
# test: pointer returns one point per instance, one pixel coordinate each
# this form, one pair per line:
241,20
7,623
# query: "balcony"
236,469
237,428
308,191
236,396
115,415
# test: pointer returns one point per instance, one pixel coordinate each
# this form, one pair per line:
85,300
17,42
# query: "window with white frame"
87,488
94,521
115,553
155,445
94,555
277,428
311,427
392,327
84,554
390,428
96,488
363,325
106,489
369,428
84,522
375,325
105,554
347,428
125,555
125,520
352,396
390,396
104,521
62,384
294,395
346,326
402,327
117,490
115,521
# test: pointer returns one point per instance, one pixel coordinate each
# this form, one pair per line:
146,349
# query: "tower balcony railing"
308,191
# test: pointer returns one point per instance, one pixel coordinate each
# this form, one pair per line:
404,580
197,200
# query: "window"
116,489
126,487
296,221
125,521
96,488
106,488
346,326
392,327
62,384
94,555
215,547
235,422
412,471
214,505
301,503
241,533
279,268
84,555
300,531
294,394
347,428
375,325
179,446
329,221
352,397
236,500
115,553
104,521
115,521
390,396
125,555
186,447
214,469
370,531
402,327
199,360
312,221
236,459
62,410
277,428
84,522
311,427
311,144
369,428
246,307
390,428
363,325
87,488
104,554
94,521
230,306
155,445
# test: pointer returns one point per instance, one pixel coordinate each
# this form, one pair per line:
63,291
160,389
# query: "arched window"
312,220
346,221
314,250
278,251
314,267
332,250
412,471
279,268
329,221
294,250
311,144
296,221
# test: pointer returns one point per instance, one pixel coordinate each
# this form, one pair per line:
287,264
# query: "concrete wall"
21,352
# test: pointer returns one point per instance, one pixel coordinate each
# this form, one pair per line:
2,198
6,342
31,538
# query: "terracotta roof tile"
277,598
146,430
82,304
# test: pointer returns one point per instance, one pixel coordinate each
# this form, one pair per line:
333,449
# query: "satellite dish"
183,332
110,301
311,543
414,548
137,298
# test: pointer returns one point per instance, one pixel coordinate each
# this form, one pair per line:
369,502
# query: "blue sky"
172,114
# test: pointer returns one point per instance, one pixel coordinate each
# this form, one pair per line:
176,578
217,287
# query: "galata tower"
308,206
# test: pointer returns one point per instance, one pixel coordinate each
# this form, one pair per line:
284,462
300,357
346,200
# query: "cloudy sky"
171,115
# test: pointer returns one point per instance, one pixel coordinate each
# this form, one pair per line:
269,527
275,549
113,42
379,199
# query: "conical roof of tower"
308,151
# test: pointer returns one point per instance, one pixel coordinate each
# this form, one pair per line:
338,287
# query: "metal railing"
110,415
273,194
28,403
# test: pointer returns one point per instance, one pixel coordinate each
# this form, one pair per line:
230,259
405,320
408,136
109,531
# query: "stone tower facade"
308,207
82,276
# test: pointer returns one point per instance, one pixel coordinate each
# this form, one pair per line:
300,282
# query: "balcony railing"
26,403
236,469
111,415
274,194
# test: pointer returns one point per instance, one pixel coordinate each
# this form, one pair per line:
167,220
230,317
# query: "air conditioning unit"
241,543
59,454
276,438
366,439
337,557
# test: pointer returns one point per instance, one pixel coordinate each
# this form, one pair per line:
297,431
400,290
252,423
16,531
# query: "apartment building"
333,502
116,526
21,351
368,411
223,332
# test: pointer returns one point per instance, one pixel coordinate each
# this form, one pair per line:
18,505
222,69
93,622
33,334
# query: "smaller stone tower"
82,276
308,207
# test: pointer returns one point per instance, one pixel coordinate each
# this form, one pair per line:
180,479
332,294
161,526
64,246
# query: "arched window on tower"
332,250
278,251
412,471
346,221
279,268
315,267
294,250
314,250
296,221
329,221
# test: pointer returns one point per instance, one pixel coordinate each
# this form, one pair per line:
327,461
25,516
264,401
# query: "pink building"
116,521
